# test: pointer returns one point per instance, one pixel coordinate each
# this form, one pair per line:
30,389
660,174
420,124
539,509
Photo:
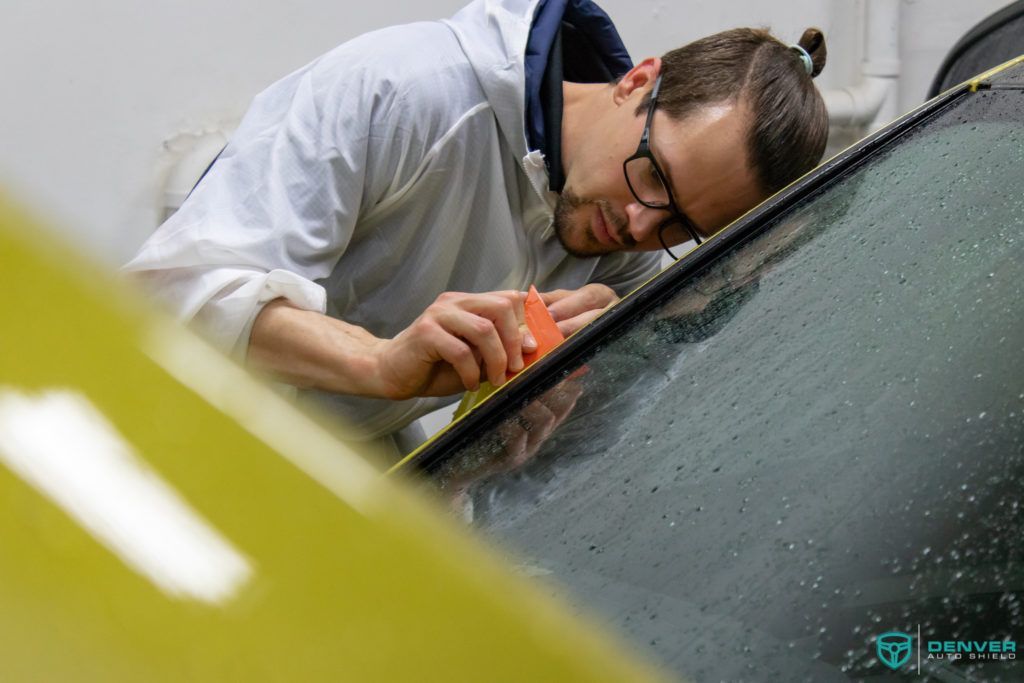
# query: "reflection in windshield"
817,440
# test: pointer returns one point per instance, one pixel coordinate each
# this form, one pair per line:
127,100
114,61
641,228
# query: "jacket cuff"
282,284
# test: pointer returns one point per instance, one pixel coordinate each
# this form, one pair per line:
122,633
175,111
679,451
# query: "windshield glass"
816,440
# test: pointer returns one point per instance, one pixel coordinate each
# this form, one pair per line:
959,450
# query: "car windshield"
817,439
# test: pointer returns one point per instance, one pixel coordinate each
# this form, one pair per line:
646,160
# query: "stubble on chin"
575,239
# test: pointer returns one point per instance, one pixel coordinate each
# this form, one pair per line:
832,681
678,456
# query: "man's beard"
565,217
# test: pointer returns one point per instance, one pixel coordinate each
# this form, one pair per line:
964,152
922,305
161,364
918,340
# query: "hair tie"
805,57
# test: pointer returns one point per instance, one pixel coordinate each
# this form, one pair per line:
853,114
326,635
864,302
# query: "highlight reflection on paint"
59,442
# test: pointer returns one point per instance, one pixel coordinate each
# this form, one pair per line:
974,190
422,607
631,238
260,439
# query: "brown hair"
790,124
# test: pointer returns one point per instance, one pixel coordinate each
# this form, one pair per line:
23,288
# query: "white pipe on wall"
873,102
194,152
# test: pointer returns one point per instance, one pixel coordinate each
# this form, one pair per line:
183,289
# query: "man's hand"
457,342
574,308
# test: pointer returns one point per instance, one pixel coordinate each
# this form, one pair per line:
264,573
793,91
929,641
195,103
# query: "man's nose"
643,220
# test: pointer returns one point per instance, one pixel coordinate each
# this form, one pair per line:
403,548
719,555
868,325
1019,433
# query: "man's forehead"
719,129
705,157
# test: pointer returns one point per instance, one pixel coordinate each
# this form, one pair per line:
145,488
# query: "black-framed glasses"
651,188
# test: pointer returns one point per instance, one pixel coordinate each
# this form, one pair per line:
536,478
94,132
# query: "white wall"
95,96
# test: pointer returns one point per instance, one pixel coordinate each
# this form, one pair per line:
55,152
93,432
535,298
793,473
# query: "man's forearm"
460,340
313,351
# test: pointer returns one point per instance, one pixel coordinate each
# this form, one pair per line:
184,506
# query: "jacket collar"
571,40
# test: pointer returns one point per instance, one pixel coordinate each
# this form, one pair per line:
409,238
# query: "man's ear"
638,80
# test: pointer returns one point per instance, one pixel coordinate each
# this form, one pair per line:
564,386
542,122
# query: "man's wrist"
364,371
356,368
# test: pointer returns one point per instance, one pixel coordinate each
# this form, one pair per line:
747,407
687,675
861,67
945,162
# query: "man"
368,232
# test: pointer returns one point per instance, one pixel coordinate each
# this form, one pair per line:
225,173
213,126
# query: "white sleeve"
275,212
625,271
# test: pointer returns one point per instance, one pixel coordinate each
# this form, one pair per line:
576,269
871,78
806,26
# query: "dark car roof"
992,41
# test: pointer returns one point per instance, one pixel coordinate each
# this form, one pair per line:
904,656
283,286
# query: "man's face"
703,157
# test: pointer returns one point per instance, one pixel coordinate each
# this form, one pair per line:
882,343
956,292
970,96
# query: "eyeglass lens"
646,182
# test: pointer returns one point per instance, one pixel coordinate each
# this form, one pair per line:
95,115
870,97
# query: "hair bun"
813,41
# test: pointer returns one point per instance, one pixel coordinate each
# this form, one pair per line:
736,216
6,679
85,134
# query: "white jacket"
388,171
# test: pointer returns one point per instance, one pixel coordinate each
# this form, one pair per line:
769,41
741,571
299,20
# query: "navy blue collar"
570,40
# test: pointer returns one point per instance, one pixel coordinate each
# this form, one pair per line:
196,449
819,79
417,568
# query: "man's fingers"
505,311
555,295
482,336
573,324
565,304
457,353
529,343
553,301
